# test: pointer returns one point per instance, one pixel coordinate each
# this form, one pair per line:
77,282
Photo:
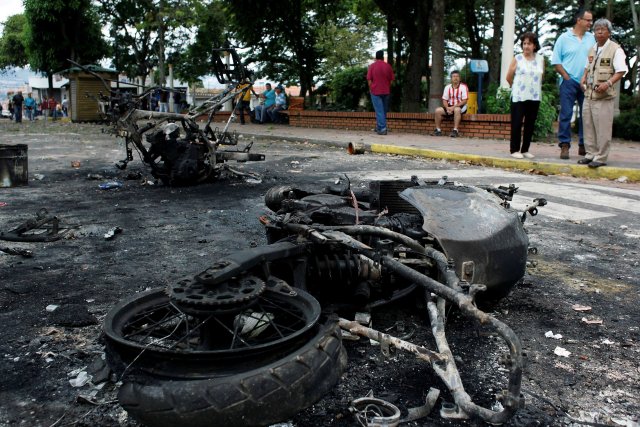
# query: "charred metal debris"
42,228
177,149
254,339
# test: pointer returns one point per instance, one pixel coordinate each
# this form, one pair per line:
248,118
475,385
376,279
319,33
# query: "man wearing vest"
454,104
605,66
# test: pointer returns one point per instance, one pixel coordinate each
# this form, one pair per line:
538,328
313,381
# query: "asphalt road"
587,254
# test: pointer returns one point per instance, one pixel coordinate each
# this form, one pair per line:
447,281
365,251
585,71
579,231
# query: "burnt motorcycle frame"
350,250
176,148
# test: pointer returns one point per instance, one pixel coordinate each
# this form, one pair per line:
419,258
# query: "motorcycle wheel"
175,376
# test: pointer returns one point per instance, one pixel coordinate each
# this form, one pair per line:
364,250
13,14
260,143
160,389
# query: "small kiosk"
84,89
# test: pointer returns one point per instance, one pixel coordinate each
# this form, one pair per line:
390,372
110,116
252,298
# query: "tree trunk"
412,19
495,54
50,81
436,86
390,40
636,29
471,25
416,62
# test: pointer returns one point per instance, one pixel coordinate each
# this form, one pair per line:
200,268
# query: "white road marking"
626,191
597,197
591,194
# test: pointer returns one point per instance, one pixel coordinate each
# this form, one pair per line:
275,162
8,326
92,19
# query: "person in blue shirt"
30,107
569,59
269,98
279,105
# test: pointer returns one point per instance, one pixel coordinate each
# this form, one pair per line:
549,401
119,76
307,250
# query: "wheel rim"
150,328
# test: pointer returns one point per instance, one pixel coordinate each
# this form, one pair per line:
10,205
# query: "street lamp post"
508,26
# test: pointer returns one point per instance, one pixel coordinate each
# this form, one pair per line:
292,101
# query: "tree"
436,86
131,38
57,30
346,43
286,38
195,61
145,33
412,20
636,29
12,49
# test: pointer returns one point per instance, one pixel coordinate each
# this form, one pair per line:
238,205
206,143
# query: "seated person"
454,103
280,104
269,98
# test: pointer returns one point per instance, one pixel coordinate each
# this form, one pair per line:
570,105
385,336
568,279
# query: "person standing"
164,101
30,107
18,100
605,67
569,56
51,105
65,106
454,104
525,76
379,76
243,99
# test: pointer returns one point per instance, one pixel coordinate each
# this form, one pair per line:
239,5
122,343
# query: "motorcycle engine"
180,158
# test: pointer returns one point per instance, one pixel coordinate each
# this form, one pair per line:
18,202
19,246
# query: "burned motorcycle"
176,148
256,337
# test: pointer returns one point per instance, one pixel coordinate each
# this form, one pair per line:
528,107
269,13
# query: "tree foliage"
58,30
12,48
143,33
411,18
349,86
287,40
195,60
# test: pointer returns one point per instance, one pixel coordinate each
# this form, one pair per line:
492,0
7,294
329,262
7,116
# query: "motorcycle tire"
262,396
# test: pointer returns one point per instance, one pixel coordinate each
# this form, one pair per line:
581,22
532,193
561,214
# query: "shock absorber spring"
347,267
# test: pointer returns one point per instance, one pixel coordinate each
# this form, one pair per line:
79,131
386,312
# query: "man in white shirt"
454,104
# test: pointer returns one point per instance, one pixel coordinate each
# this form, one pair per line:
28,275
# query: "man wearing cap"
605,66
379,76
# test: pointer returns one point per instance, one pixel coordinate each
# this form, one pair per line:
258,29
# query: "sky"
9,8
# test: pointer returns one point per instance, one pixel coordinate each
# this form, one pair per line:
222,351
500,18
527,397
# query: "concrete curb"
545,168
581,171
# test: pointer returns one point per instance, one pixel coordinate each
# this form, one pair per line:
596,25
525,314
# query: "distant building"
39,88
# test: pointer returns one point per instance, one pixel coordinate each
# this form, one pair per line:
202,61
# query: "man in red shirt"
51,105
380,75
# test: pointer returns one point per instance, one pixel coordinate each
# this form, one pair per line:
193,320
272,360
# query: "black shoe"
384,132
581,150
437,132
584,161
454,133
596,164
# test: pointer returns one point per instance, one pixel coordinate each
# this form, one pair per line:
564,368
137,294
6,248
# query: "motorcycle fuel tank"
486,241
